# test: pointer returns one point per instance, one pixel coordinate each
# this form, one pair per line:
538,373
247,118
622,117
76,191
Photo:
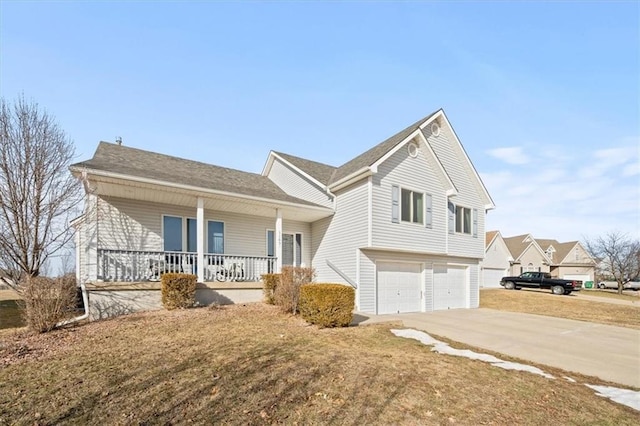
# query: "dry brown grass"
628,295
571,307
254,365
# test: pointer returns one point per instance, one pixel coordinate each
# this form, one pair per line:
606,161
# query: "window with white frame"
462,220
291,248
181,234
215,237
411,206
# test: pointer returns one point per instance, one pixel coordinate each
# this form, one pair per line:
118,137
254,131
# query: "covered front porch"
134,231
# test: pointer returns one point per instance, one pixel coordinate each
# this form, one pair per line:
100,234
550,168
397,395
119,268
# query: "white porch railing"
135,265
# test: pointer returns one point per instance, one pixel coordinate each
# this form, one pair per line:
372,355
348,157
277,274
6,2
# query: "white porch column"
200,239
278,238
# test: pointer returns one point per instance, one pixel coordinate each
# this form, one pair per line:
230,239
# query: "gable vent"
435,129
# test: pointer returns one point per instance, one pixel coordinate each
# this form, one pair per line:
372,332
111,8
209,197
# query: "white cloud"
567,195
510,155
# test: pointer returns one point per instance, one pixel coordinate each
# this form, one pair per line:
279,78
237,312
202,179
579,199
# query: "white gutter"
85,301
352,178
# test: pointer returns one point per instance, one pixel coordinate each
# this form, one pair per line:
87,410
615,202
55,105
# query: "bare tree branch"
619,256
38,196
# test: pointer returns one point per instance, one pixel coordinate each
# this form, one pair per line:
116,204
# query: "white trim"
451,190
370,212
490,205
352,178
278,240
296,169
204,191
200,240
374,166
357,296
400,206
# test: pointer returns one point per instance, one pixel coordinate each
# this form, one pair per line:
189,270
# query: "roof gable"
368,158
319,172
519,244
489,236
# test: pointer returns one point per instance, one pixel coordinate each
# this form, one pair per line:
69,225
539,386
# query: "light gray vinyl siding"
460,172
474,285
339,237
137,225
87,241
297,185
497,255
416,174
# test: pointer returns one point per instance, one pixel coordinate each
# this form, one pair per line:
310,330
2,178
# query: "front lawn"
571,306
253,365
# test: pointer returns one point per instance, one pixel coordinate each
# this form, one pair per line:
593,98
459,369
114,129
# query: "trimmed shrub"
47,301
270,282
327,305
287,291
178,290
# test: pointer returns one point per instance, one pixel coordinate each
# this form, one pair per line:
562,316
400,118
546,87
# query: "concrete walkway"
608,352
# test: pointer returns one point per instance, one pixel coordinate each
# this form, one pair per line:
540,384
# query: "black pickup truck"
541,280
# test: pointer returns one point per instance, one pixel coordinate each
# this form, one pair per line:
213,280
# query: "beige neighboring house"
523,253
497,260
569,260
527,255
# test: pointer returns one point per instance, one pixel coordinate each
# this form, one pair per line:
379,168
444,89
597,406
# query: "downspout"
85,302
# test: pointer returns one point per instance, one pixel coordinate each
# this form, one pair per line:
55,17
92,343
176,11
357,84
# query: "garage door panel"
449,287
491,277
399,287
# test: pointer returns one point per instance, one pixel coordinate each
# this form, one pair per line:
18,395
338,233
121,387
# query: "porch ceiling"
169,194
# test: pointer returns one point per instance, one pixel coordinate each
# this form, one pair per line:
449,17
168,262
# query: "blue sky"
543,95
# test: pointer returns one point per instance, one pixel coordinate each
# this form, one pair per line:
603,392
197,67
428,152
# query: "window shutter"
475,223
395,210
428,216
452,217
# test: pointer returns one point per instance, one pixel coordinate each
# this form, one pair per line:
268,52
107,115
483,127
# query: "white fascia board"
418,252
296,169
204,191
374,166
451,189
493,240
349,179
267,166
490,204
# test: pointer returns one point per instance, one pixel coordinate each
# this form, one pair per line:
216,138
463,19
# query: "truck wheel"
557,289
509,285
601,286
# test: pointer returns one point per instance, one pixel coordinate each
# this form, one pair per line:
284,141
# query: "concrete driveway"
608,352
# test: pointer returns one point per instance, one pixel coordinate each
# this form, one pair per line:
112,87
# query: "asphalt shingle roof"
319,171
126,160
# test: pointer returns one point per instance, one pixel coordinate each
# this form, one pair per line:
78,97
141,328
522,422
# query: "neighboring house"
522,253
527,255
569,260
403,223
497,260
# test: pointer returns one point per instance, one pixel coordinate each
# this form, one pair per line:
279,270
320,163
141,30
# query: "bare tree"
38,195
619,256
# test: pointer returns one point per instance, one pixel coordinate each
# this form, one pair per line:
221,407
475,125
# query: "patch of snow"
444,348
569,379
621,396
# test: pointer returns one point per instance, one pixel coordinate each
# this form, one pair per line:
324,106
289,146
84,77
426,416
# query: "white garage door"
491,277
449,287
399,287
582,278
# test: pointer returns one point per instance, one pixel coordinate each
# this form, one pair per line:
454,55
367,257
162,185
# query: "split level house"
523,253
403,223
